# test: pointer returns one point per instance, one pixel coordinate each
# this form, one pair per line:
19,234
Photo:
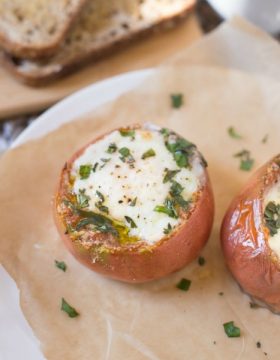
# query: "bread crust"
244,239
43,50
136,262
43,76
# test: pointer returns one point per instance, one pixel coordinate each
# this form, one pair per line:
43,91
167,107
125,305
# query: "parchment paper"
155,320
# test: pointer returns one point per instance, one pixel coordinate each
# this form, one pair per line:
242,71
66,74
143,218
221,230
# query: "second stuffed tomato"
135,204
250,236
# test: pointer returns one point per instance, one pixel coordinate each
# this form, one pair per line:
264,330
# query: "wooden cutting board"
18,99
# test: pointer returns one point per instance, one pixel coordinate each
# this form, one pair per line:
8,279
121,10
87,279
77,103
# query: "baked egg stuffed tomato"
250,236
135,204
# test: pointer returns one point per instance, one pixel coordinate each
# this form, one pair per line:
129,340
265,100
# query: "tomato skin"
244,239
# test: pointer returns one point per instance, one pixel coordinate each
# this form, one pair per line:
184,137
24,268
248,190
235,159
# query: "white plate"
17,341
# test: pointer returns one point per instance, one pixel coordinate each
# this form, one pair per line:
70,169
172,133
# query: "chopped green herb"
83,199
105,161
99,204
184,284
272,217
133,202
168,208
95,167
101,222
169,175
246,162
168,229
181,159
264,139
181,150
127,132
124,151
165,132
176,189
102,207
148,153
231,330
68,203
180,201
126,155
253,305
201,261
232,132
176,100
130,221
101,196
84,171
175,192
112,148
72,313
60,265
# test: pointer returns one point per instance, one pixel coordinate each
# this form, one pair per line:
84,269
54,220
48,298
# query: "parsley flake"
176,100
101,196
176,189
99,204
169,175
112,148
175,192
264,139
94,167
83,199
126,155
181,150
253,305
101,222
231,330
168,208
124,151
232,133
165,132
184,284
201,261
246,162
131,222
168,229
272,217
133,202
102,207
148,153
60,265
84,171
72,313
105,161
127,132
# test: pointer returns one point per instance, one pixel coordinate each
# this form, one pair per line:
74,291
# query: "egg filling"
143,180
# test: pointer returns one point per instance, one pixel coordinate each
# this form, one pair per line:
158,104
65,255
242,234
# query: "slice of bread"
36,28
103,28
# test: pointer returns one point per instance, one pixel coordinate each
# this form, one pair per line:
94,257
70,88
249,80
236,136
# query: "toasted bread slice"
36,28
103,28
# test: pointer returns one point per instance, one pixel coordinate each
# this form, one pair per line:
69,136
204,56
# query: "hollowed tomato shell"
244,239
143,263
